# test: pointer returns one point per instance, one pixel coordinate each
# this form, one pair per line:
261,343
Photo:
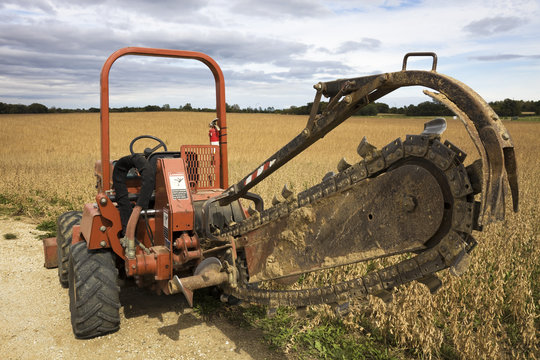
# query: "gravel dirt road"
35,319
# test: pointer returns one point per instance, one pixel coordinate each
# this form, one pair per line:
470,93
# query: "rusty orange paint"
158,262
205,194
91,223
51,257
76,234
100,226
174,207
141,232
189,248
113,224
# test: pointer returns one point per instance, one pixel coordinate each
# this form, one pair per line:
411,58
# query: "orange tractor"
169,219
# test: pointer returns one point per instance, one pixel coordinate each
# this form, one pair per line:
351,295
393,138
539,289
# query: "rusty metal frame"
220,102
347,96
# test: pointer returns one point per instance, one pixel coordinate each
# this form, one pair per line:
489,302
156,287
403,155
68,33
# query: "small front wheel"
94,296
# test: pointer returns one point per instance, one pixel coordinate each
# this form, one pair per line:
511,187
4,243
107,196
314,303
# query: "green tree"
152,108
427,108
36,108
510,108
368,110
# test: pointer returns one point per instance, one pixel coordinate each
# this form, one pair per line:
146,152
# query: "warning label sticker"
178,187
166,227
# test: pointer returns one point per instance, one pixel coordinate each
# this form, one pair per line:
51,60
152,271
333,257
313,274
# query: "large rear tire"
64,234
94,299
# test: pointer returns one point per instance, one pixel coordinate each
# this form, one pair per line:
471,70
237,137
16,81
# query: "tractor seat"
133,179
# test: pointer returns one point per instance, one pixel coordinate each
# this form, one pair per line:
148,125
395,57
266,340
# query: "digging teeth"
434,127
278,199
286,192
328,175
365,149
461,265
271,312
341,308
432,282
343,165
251,211
384,295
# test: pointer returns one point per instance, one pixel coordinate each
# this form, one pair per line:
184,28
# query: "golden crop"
492,311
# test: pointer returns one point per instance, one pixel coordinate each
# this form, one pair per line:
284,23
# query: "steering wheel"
147,151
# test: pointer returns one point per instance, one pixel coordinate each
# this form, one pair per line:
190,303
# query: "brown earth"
35,318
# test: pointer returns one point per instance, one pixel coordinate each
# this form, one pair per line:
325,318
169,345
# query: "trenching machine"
170,220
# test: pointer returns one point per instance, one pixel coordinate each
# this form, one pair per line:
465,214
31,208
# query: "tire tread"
93,291
64,234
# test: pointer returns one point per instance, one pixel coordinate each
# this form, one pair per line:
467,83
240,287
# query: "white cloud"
282,46
495,25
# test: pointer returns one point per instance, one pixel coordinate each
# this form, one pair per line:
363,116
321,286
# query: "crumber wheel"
94,298
64,233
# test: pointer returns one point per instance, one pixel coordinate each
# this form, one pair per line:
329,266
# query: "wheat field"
492,311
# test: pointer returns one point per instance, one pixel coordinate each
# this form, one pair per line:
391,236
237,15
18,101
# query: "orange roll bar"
182,54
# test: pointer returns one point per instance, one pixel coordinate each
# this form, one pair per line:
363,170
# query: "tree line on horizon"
504,108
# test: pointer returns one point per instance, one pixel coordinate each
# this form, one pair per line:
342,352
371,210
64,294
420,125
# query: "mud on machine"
169,219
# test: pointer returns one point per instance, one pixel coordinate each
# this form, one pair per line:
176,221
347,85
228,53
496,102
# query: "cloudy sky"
271,52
